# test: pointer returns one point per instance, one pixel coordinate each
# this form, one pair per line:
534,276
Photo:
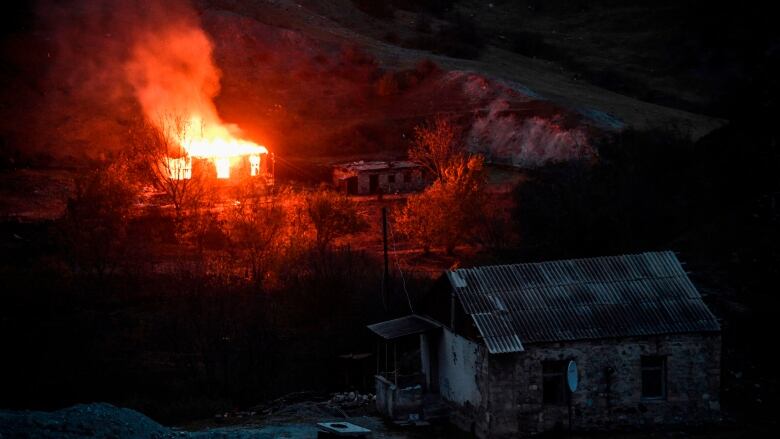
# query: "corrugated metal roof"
375,165
613,296
400,327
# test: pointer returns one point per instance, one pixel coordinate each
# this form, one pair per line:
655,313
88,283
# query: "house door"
373,184
352,185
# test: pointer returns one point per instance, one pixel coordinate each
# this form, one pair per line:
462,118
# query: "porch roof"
403,326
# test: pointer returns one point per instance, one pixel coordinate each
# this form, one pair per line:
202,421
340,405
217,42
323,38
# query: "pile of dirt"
101,420
98,420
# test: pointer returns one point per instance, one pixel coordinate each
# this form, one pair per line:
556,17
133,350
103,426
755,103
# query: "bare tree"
333,215
256,227
435,144
95,223
166,163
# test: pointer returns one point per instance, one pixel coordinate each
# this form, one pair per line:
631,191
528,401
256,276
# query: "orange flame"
173,73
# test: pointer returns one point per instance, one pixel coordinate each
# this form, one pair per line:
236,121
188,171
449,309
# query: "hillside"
313,78
609,127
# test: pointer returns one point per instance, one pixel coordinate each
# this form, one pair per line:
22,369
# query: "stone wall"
399,185
459,361
397,403
463,375
604,401
415,181
384,390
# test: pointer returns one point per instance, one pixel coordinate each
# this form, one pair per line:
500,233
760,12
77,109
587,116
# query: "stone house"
495,341
364,178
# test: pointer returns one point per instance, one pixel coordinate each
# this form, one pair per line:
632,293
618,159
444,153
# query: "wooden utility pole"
386,276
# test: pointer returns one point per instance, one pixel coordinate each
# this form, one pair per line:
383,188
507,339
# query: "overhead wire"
398,264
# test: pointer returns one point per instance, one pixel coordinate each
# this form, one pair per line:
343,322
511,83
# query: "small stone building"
364,178
496,340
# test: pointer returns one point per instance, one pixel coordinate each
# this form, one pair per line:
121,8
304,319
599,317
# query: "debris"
351,399
339,429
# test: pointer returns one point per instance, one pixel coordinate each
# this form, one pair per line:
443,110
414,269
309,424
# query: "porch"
406,372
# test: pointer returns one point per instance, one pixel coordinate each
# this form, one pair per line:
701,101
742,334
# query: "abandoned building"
222,168
364,178
493,343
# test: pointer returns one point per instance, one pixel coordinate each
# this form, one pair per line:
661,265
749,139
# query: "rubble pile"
346,400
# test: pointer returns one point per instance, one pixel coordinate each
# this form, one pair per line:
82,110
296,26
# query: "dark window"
373,183
554,386
407,176
391,178
653,377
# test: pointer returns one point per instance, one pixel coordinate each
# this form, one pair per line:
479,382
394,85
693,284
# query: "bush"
452,211
332,215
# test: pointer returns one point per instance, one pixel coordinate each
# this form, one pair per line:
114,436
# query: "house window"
554,386
653,377
407,176
391,178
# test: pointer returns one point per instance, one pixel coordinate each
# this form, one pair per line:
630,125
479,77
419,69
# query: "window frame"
662,368
560,376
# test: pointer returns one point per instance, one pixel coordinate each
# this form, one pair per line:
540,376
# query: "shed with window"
646,346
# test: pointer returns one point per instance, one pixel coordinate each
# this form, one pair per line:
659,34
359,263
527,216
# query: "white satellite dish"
572,378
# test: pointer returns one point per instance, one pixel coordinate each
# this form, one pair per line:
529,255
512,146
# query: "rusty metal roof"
614,296
400,327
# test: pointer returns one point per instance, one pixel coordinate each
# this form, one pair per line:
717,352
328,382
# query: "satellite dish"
571,376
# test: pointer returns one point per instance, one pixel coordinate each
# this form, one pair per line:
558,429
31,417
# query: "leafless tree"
95,224
159,146
256,228
333,215
435,144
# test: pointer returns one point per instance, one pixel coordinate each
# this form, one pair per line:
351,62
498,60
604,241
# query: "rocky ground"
296,420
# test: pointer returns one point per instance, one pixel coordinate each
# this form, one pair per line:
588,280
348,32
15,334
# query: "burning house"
498,342
258,164
218,153
363,178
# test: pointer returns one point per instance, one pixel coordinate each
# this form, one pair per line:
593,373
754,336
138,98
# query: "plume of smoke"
171,70
505,137
108,59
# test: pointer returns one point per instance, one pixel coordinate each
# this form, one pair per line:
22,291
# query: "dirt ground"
295,421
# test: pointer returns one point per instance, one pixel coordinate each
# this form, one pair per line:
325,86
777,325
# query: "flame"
216,143
173,74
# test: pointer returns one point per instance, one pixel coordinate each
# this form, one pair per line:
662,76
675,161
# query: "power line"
397,264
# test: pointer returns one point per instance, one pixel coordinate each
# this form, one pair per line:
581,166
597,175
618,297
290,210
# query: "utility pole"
273,167
386,277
